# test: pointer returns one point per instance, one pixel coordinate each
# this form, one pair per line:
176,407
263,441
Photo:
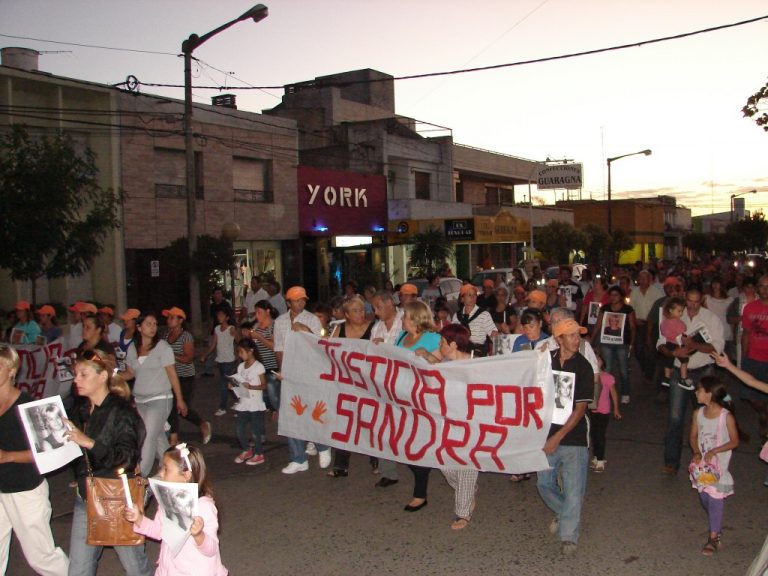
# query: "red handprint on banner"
297,405
319,411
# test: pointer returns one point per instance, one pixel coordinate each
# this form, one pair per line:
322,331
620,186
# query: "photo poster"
564,386
65,370
612,330
238,389
503,343
594,312
43,422
178,503
565,293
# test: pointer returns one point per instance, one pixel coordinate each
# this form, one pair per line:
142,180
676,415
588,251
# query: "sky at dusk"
682,98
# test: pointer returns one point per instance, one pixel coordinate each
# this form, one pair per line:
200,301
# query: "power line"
91,45
638,44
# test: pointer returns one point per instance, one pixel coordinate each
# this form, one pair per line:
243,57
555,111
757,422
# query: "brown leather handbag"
105,502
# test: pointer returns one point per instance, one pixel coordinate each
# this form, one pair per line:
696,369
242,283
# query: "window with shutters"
251,180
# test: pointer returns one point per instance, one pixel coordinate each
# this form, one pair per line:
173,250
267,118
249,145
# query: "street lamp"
610,214
257,13
733,207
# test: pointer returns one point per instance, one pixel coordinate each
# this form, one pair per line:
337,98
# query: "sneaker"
593,463
569,548
207,431
243,456
294,467
686,384
255,460
600,466
220,412
624,400
311,449
665,383
554,526
325,458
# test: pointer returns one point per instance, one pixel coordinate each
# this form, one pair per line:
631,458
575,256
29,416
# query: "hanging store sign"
559,176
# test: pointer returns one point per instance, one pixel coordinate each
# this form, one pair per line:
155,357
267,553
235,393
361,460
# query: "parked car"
507,275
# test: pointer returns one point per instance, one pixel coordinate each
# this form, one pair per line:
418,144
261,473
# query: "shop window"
251,180
421,182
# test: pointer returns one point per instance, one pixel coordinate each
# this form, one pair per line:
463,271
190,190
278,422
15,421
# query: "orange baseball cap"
468,289
22,305
175,311
409,289
488,282
537,296
47,309
296,293
106,310
130,314
569,326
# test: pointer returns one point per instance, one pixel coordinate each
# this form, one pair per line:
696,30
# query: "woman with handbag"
24,503
111,433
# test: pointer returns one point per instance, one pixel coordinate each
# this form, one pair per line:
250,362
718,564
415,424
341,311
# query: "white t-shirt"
254,402
225,344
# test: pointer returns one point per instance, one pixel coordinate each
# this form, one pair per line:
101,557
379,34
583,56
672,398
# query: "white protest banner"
38,370
492,414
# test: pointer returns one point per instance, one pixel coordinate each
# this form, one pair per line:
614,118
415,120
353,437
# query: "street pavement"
635,520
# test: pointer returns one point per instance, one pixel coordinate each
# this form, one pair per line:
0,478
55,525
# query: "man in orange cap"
487,300
298,319
26,330
567,445
45,316
408,293
106,315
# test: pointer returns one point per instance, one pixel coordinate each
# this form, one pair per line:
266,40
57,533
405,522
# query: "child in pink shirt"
673,329
601,415
200,555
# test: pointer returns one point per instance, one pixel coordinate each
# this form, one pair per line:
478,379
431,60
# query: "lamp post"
733,206
257,13
609,161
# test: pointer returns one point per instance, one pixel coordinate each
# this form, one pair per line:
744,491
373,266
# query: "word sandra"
352,198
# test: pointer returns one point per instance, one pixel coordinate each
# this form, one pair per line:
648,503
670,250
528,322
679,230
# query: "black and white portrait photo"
564,386
44,424
612,330
178,505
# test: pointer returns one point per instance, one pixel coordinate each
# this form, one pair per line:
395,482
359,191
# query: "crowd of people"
132,383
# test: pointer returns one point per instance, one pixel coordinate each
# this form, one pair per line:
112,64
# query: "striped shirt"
266,355
183,370
480,326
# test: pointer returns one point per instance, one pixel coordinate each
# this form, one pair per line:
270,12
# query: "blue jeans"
84,559
273,390
297,450
571,464
225,369
256,422
617,363
679,401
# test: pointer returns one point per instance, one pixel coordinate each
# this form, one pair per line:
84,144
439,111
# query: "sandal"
712,545
460,523
519,477
338,473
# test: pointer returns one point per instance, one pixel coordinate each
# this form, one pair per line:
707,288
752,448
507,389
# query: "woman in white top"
150,360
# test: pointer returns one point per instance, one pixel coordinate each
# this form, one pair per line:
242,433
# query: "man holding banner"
567,445
298,319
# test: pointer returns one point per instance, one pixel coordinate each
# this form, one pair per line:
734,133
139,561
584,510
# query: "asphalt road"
635,520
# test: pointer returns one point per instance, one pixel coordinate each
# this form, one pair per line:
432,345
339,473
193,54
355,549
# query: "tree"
56,214
620,242
755,107
556,240
429,250
596,243
754,229
213,257
699,242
